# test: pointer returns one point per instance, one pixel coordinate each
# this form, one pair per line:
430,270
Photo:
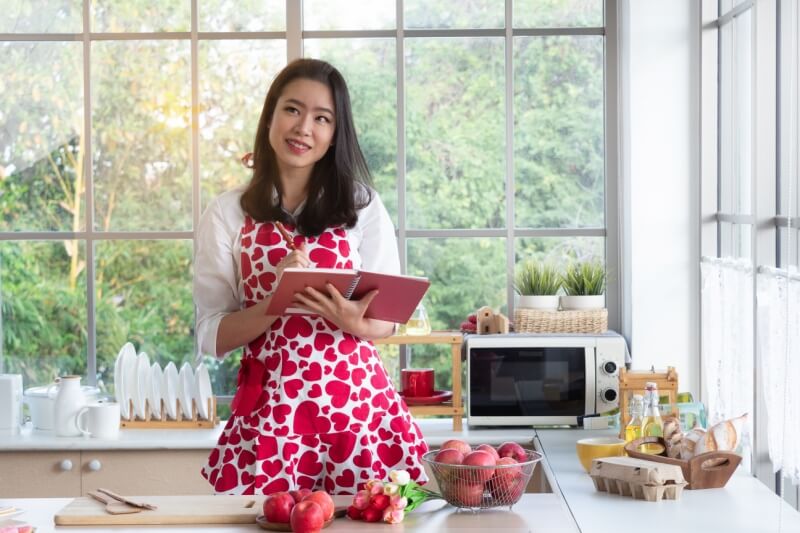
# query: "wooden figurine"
489,322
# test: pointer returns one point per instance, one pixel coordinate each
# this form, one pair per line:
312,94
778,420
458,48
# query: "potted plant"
537,285
584,286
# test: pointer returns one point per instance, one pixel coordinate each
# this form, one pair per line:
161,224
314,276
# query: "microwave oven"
541,379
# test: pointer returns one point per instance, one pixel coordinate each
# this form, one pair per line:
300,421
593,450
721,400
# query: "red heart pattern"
326,396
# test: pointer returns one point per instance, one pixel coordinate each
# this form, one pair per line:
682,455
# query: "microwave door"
591,388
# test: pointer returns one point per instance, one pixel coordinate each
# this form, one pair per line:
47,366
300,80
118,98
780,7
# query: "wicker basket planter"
541,321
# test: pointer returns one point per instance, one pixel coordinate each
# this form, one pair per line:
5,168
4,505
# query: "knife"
123,499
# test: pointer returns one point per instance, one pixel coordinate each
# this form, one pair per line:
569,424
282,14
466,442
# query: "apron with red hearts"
314,406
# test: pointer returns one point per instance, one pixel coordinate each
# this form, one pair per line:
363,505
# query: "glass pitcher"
418,324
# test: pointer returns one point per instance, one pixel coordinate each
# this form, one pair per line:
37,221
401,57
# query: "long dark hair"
334,191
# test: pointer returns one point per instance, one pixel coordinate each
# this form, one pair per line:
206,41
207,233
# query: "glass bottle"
633,430
652,425
418,324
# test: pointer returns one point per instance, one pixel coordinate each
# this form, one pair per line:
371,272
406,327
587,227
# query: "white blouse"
218,286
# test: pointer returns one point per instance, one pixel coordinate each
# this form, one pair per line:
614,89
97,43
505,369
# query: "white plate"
169,390
119,378
142,385
202,390
129,381
186,389
154,395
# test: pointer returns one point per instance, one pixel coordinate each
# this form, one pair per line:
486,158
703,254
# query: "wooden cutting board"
171,510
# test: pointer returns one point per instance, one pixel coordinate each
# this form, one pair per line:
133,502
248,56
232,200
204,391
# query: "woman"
314,407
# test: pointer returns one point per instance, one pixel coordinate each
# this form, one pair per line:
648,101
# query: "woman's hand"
297,258
348,315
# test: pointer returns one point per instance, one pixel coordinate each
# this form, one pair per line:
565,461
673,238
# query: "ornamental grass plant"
584,279
534,278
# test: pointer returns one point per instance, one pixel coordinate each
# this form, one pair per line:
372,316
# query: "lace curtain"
727,342
779,357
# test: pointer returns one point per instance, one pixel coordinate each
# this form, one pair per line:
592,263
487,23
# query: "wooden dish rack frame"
180,422
455,406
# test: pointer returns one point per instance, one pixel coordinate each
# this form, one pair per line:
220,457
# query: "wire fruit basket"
482,487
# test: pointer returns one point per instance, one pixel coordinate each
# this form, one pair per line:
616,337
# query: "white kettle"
69,401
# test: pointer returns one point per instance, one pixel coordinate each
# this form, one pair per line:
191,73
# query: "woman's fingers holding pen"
295,259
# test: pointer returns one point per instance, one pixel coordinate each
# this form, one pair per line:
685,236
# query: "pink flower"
398,502
375,488
390,489
361,499
392,515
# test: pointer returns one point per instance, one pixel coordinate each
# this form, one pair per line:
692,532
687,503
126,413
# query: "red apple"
508,482
490,450
299,494
278,507
324,500
478,475
456,444
449,456
512,449
467,495
307,517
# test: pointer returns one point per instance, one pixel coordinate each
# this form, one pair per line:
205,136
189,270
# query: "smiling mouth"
297,147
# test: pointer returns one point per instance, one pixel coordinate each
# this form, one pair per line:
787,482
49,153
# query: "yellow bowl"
597,447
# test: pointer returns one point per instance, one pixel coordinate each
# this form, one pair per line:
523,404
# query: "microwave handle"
591,380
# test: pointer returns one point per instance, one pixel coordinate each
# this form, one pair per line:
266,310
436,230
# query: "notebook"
397,297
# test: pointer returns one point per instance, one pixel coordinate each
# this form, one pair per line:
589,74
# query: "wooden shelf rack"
455,407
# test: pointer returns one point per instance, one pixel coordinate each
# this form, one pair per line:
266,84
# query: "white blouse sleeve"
216,273
378,246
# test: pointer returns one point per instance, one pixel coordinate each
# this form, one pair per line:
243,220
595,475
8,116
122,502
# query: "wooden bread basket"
710,470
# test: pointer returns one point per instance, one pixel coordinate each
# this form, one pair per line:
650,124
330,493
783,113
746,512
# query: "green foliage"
585,279
537,279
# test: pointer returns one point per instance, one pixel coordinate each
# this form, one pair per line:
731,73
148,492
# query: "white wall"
660,162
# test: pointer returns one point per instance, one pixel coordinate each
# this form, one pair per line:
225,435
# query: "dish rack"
164,422
544,321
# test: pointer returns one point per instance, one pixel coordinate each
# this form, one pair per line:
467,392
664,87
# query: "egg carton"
638,478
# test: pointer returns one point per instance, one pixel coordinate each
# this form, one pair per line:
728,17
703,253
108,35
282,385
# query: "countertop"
436,431
534,512
744,505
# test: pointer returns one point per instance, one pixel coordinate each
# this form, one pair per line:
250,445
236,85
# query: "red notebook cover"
397,297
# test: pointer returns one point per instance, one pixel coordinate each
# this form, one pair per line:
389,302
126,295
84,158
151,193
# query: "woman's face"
302,126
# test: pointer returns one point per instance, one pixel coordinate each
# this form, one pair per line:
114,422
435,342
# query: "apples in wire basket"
483,477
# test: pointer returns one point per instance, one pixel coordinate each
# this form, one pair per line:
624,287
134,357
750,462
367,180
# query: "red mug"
417,382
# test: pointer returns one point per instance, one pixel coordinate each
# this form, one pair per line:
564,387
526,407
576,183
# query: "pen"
286,236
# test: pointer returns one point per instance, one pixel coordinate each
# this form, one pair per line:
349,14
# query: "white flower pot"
545,302
594,301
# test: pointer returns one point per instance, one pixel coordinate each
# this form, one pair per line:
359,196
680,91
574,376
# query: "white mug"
102,420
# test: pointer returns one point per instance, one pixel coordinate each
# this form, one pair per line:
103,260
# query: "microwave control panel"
609,357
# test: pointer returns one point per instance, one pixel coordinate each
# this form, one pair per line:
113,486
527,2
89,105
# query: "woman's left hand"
348,315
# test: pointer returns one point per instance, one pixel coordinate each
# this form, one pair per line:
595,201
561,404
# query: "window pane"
736,115
789,138
558,13
43,288
141,120
348,15
455,133
449,14
41,146
370,68
735,240
242,15
465,274
144,295
234,78
558,132
124,16
560,251
788,247
41,16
